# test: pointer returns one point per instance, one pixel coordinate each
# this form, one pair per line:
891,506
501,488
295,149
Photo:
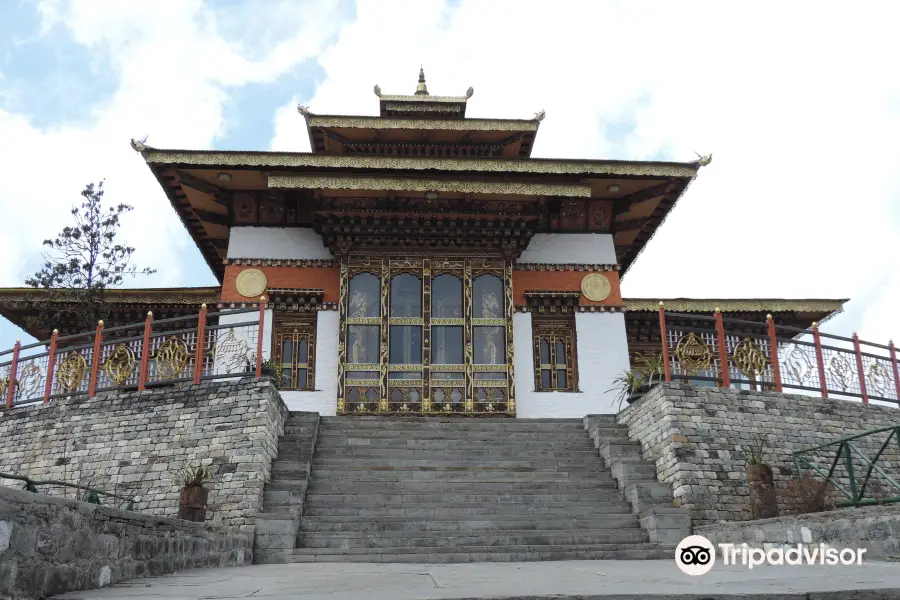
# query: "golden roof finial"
421,89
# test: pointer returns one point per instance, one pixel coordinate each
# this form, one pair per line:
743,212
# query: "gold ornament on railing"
693,354
750,359
30,379
71,371
880,379
119,365
841,370
172,357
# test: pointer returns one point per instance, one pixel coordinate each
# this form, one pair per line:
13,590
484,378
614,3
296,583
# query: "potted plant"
271,370
651,368
627,387
760,482
192,502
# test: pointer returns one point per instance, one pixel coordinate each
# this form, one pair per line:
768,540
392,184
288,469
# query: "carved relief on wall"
271,210
599,214
572,215
244,208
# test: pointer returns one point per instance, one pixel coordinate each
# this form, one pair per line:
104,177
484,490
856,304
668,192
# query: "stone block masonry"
134,444
875,528
51,545
693,436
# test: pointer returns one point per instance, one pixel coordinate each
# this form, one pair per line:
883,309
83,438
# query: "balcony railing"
137,356
765,356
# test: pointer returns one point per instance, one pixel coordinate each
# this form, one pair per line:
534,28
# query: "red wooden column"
773,353
819,360
13,372
859,369
51,363
894,367
664,338
201,340
723,354
95,359
145,352
259,337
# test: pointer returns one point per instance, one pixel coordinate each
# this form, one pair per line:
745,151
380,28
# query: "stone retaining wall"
134,443
875,528
694,436
50,545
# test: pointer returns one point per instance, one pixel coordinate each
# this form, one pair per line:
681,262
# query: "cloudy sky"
799,103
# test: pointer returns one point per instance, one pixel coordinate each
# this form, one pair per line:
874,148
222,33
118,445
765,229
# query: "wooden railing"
210,345
765,356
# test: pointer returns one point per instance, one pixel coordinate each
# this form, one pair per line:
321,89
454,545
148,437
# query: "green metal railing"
847,451
91,495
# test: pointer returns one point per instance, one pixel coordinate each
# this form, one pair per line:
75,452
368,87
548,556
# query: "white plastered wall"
324,399
602,354
570,248
285,243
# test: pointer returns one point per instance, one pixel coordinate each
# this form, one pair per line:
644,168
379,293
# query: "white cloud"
795,100
174,69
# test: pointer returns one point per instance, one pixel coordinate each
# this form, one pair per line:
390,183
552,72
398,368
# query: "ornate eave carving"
210,158
552,301
281,262
358,122
424,108
584,308
425,185
296,299
566,267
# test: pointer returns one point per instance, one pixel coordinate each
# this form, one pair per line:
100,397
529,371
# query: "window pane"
446,297
545,352
302,351
545,379
487,297
301,378
406,344
364,343
449,375
561,381
446,345
286,378
363,375
365,296
560,354
489,345
406,296
287,351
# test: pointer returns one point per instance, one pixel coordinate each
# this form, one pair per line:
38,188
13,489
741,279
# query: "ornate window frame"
555,329
296,327
480,391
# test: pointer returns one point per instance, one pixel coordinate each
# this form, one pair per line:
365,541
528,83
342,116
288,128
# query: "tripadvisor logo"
696,555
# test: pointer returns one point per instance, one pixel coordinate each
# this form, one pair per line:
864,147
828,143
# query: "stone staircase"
284,495
650,499
465,490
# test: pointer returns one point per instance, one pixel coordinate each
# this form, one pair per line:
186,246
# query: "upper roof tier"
421,125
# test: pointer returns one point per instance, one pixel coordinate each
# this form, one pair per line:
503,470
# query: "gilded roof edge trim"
213,158
403,98
424,185
709,305
400,123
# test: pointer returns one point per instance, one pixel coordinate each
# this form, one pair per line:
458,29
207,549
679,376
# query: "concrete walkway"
595,579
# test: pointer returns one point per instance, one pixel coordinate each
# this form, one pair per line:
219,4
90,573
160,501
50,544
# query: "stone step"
387,443
565,510
497,523
464,452
486,554
314,499
446,463
413,487
444,539
330,476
